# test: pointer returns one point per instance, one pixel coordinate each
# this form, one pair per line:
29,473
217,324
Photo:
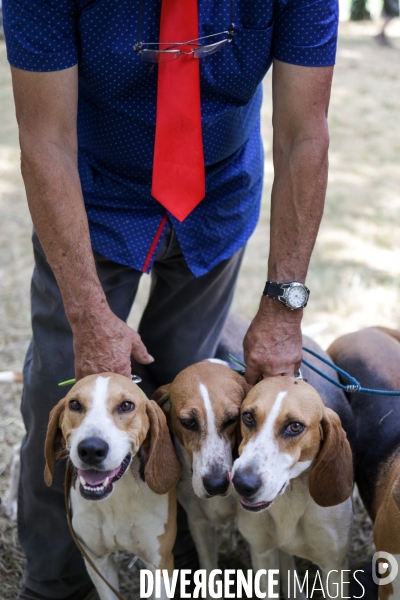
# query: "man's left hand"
272,344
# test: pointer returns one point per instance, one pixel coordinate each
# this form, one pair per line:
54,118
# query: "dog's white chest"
297,525
132,518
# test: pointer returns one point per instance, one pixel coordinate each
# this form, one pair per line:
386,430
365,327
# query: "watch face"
297,296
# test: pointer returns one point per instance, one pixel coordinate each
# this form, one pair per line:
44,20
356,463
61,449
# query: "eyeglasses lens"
159,56
204,51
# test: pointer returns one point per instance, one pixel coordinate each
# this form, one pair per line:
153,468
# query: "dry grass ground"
354,275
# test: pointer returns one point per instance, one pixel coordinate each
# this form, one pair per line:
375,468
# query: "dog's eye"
230,422
75,405
190,424
126,406
248,419
295,428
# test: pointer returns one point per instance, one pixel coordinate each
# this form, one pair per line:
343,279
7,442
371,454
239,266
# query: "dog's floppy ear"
246,387
238,438
161,396
163,468
331,476
54,441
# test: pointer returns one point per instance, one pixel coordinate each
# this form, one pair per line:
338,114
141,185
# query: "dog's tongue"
93,477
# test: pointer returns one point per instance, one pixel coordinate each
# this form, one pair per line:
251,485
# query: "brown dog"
372,356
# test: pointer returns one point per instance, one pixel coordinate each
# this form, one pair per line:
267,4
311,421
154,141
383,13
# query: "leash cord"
69,476
351,388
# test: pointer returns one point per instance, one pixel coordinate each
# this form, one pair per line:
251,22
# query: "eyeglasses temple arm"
232,25
138,46
139,43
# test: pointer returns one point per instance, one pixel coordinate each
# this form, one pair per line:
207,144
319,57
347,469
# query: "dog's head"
286,429
202,407
102,422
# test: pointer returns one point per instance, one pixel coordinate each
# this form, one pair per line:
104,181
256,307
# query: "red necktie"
178,168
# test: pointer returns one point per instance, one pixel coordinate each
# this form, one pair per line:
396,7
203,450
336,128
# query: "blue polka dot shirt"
117,109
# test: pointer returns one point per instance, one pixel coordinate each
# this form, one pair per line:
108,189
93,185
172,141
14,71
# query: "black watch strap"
273,290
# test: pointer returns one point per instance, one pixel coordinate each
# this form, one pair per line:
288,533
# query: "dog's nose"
246,483
216,484
93,451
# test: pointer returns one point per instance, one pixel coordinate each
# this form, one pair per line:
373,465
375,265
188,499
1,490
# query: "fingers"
297,367
252,375
78,371
272,344
108,347
257,370
85,367
139,350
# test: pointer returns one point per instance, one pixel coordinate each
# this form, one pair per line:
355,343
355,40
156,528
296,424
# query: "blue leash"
354,385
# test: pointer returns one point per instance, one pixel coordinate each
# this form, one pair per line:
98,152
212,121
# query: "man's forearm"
46,107
55,201
298,195
273,342
102,342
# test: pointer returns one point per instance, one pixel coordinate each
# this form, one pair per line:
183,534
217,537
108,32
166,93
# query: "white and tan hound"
294,477
123,496
202,406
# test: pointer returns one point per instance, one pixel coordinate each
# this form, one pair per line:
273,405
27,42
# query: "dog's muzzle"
99,485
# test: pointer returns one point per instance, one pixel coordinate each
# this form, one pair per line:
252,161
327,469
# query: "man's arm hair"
46,108
300,152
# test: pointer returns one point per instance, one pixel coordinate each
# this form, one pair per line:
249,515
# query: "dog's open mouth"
254,506
98,485
258,506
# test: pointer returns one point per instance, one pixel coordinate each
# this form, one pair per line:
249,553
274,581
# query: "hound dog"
202,406
294,477
123,496
373,357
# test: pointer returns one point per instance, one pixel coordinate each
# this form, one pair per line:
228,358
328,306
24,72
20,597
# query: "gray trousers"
181,325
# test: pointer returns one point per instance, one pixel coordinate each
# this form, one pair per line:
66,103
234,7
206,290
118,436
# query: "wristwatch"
294,294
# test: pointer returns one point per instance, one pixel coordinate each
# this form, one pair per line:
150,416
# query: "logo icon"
387,568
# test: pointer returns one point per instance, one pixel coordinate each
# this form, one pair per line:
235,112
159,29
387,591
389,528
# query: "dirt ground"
354,275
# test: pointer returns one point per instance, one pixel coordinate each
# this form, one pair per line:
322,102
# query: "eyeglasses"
174,51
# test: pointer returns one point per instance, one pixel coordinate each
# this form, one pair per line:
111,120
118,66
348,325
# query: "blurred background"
354,273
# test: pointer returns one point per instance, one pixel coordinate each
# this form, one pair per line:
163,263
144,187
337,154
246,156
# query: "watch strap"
273,290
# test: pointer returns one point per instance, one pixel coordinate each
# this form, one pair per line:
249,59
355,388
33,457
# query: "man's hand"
105,343
272,345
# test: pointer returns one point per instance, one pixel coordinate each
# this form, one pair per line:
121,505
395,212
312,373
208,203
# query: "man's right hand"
104,343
